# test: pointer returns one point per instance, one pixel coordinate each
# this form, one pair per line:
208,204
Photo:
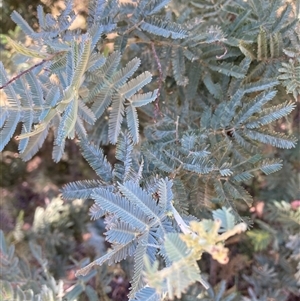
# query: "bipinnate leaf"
226,217
26,51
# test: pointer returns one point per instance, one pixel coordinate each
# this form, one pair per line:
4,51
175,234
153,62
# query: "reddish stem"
22,73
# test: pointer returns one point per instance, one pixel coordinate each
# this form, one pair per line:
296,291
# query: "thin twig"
177,124
160,79
222,55
22,73
181,223
29,69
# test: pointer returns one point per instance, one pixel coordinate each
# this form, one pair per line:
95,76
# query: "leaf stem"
181,223
22,73
160,79
29,69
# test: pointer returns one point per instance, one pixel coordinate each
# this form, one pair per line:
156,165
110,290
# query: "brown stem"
29,69
213,267
22,73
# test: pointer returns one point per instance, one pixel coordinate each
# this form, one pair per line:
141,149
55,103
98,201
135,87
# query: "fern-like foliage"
279,230
18,282
293,244
139,224
135,224
289,71
183,250
185,142
112,87
73,67
234,134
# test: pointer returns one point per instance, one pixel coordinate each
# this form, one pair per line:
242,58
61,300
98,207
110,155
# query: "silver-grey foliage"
188,95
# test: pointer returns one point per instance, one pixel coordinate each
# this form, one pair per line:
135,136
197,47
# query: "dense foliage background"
54,238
